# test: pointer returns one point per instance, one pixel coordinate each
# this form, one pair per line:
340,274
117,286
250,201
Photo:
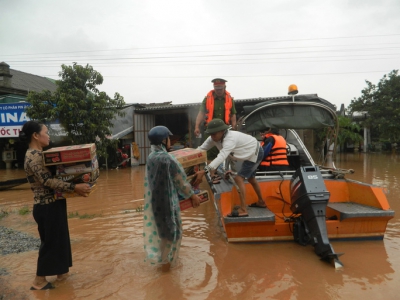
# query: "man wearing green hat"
217,104
237,146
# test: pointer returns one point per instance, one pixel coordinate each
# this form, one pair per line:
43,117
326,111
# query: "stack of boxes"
77,164
192,160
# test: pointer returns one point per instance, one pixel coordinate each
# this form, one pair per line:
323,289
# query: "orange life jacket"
210,107
278,154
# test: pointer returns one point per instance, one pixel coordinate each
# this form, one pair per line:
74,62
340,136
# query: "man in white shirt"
240,147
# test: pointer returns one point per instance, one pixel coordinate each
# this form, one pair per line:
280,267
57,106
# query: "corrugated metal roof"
29,82
166,107
189,105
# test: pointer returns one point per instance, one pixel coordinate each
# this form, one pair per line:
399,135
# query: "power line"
207,45
219,62
230,50
206,56
239,76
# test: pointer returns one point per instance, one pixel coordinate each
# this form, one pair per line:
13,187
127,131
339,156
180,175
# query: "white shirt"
239,146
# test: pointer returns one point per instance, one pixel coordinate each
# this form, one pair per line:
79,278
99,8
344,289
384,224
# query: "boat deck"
345,218
255,215
354,210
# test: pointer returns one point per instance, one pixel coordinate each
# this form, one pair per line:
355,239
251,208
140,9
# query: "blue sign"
12,114
12,117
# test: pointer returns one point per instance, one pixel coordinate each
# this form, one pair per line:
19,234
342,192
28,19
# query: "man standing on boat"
237,146
275,151
217,104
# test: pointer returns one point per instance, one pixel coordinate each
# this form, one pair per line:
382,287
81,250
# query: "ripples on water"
108,253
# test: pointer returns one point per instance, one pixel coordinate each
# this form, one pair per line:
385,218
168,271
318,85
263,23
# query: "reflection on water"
379,169
107,245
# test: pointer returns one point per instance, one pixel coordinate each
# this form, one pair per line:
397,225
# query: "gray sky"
157,51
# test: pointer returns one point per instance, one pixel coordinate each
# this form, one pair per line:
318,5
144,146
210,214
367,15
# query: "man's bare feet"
243,210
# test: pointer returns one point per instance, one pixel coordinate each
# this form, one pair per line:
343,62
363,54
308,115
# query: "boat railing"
326,173
303,147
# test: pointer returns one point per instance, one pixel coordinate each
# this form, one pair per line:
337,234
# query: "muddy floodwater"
107,248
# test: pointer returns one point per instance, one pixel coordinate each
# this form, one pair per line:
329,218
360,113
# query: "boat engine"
309,197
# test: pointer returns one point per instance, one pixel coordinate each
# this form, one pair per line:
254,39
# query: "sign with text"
12,117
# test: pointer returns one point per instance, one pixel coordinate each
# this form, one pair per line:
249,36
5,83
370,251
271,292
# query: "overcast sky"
158,51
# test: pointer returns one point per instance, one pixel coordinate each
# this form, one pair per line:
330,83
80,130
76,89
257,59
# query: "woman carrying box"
55,256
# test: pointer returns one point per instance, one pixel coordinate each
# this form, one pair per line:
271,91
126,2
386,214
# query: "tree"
83,111
382,104
348,131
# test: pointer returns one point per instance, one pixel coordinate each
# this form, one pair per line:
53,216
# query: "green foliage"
42,106
320,134
73,214
84,216
348,131
88,216
138,209
24,211
381,102
84,112
3,213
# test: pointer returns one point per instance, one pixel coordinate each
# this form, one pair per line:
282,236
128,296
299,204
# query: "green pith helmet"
216,125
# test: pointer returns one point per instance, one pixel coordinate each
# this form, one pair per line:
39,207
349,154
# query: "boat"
8,184
312,203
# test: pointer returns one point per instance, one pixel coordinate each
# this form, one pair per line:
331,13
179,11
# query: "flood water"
107,248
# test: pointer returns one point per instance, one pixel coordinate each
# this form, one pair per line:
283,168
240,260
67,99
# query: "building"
181,119
14,88
131,130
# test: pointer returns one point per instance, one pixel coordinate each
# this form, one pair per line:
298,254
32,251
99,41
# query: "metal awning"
123,125
122,133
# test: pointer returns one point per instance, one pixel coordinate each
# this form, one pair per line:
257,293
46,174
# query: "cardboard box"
191,171
66,195
80,177
78,168
187,203
69,154
189,157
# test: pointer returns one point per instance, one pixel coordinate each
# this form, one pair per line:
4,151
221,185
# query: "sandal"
230,174
216,179
235,214
255,204
48,286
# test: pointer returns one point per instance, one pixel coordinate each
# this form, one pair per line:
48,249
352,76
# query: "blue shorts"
248,169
